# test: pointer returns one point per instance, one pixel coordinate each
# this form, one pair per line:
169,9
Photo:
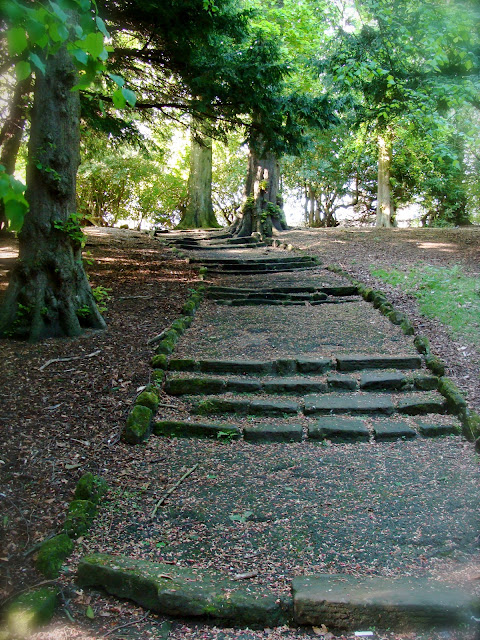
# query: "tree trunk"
263,207
198,213
384,210
49,294
11,134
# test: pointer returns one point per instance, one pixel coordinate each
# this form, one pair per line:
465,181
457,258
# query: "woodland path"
321,443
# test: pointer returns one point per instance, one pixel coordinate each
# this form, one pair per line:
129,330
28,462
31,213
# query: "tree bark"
198,213
263,207
49,294
11,134
384,209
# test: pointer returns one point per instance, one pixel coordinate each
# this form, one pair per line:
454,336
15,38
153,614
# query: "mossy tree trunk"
49,294
198,212
12,132
384,207
263,208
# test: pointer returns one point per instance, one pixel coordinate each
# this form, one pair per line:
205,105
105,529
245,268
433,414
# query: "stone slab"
339,429
299,386
188,429
348,603
421,404
358,362
348,403
377,381
236,366
393,430
313,365
182,592
341,381
261,407
193,386
433,430
273,432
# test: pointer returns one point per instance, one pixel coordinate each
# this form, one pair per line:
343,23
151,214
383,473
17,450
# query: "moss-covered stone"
368,295
172,335
178,591
158,375
471,426
407,327
138,425
378,299
435,365
189,308
385,308
148,399
160,361
189,429
421,344
29,611
165,347
456,402
396,317
52,554
91,487
79,518
178,325
424,382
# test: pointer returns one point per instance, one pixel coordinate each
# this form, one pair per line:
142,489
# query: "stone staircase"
347,398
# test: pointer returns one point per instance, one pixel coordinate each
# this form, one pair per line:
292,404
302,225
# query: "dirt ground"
64,402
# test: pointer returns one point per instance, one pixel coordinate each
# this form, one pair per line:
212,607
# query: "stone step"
292,293
177,591
356,362
371,404
334,428
188,429
255,302
178,384
374,403
245,262
347,603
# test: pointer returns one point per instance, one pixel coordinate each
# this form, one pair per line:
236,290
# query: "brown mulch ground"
64,420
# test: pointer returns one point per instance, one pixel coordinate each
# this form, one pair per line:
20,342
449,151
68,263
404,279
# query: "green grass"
443,293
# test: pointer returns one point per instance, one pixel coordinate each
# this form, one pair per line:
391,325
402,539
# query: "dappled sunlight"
438,246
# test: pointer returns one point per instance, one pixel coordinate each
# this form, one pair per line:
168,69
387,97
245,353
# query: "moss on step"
29,611
79,518
91,487
138,425
52,554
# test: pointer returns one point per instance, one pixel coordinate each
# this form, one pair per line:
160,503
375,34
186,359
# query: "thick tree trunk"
198,212
11,134
49,294
384,209
263,207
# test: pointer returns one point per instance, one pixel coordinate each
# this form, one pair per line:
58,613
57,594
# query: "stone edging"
36,607
139,423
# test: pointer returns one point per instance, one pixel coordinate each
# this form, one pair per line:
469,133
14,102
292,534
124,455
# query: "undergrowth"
444,293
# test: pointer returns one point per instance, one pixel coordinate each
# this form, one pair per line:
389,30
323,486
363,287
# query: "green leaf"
35,60
93,44
119,81
15,211
17,41
61,15
101,26
22,70
89,613
80,55
129,96
36,31
119,99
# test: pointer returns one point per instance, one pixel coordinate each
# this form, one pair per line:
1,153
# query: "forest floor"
64,402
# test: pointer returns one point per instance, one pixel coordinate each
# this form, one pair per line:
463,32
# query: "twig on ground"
171,490
133,297
127,624
245,576
167,406
157,338
49,362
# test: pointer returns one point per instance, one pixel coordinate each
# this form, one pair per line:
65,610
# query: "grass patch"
444,293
